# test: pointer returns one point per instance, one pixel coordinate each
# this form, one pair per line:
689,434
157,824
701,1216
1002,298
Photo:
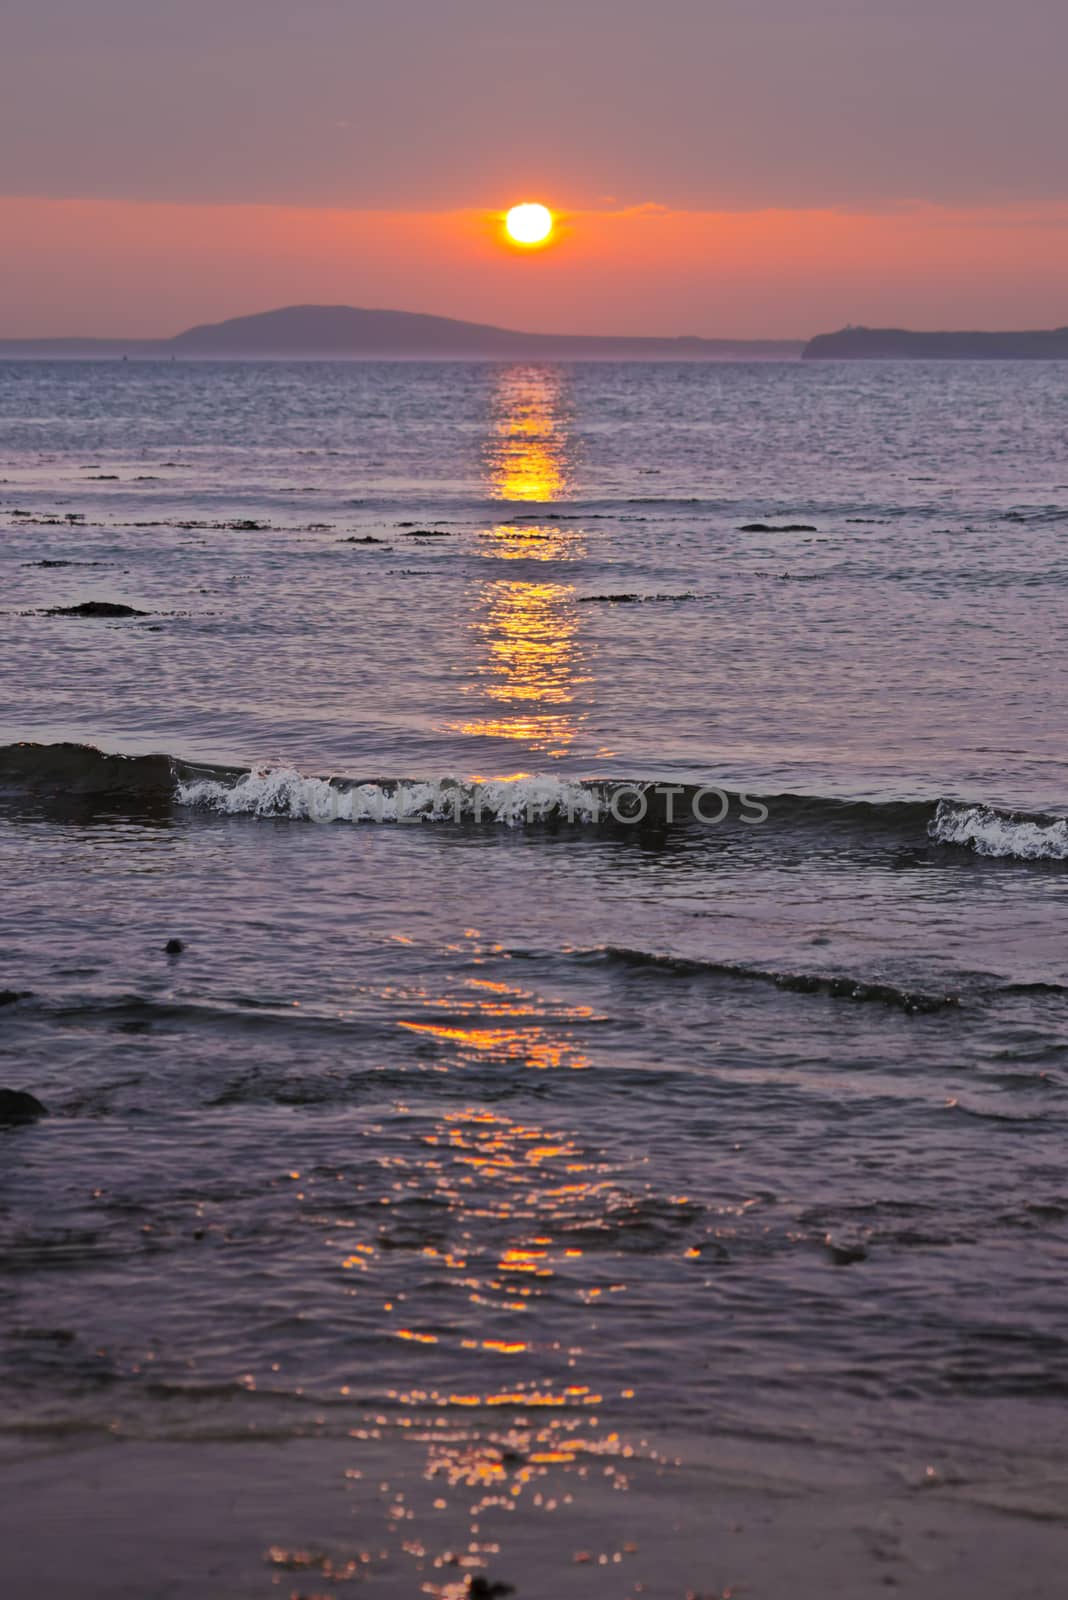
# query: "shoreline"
312,1517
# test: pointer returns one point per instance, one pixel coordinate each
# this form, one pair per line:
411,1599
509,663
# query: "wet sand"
305,1519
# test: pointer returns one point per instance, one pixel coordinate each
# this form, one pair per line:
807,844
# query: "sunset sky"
732,167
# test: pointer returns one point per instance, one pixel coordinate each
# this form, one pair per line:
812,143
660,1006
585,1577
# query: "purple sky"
442,103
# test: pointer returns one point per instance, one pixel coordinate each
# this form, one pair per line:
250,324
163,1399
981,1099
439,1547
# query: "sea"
534,916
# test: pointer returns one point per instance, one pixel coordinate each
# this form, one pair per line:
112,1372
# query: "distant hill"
348,333
897,344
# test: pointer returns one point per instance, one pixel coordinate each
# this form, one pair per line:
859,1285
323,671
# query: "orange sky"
120,267
732,167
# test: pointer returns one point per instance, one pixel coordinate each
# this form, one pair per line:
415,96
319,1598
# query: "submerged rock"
174,947
9,996
18,1105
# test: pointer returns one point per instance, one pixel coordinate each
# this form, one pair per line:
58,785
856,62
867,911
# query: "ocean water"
608,1114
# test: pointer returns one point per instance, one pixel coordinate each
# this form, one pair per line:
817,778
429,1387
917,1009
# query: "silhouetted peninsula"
898,344
348,333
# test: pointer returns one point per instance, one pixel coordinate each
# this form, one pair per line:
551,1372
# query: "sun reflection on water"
508,1216
504,1021
478,1255
531,667
531,448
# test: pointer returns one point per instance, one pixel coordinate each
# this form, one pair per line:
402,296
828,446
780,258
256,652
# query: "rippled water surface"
493,1183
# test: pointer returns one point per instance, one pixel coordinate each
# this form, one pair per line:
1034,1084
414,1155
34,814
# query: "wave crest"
81,771
833,985
285,792
993,833
65,773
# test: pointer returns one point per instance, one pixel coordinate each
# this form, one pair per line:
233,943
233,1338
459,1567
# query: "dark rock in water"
632,599
17,1105
368,538
844,1252
174,947
481,1588
767,527
428,533
96,608
9,996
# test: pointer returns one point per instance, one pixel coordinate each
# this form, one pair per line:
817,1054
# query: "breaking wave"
995,833
67,773
285,792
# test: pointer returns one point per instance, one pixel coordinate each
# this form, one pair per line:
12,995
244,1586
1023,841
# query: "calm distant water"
512,1157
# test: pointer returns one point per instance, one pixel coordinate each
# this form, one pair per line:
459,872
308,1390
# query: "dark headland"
898,344
348,333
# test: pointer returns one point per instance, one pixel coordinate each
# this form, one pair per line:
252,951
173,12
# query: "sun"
529,223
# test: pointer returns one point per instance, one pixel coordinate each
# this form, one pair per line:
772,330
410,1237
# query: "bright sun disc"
529,224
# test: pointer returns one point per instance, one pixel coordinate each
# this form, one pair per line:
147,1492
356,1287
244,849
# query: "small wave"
66,771
631,598
285,792
994,833
83,771
837,986
1037,514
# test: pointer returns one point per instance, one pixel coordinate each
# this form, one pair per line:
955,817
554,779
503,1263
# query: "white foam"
989,833
285,792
